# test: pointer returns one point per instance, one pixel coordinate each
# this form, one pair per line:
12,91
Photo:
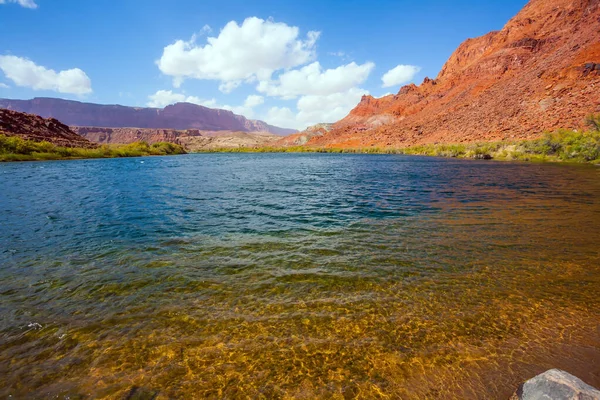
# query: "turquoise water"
295,276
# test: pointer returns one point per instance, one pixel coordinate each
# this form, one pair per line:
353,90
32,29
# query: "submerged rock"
556,385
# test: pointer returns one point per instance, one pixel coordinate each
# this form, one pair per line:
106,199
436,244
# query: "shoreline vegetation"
560,146
564,145
14,148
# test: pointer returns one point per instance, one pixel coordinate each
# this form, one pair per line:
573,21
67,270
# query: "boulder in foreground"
556,385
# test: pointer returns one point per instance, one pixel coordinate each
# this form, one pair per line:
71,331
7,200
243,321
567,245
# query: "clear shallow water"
295,276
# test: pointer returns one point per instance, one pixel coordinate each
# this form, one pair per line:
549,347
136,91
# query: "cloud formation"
254,100
399,75
312,80
280,63
314,109
22,3
26,73
4,86
241,53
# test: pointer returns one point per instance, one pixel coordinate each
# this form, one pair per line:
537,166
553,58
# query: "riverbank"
560,146
13,148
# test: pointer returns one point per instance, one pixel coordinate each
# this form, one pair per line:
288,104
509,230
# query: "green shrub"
593,122
166,148
14,148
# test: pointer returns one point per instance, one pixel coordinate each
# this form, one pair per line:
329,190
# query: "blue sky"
289,63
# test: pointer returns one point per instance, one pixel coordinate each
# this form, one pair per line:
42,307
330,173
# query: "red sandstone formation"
191,139
540,72
36,128
179,116
301,138
130,135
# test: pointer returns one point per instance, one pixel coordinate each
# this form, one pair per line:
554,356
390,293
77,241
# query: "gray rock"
547,103
556,385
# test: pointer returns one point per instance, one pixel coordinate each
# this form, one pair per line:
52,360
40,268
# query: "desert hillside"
36,128
191,139
540,72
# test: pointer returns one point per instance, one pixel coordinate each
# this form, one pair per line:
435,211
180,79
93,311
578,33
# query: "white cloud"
247,52
281,116
254,100
4,86
26,73
247,109
330,108
399,75
228,87
310,109
22,3
314,109
164,98
312,80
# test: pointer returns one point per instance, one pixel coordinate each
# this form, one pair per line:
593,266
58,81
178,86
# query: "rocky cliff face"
301,138
254,125
130,135
540,72
227,140
179,116
191,139
36,128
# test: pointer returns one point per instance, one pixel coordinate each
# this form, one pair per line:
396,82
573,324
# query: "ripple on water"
296,276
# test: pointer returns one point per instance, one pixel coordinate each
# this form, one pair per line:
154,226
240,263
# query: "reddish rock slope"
540,72
130,135
301,138
191,139
34,127
177,116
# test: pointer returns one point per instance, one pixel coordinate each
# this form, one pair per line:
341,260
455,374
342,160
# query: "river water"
295,276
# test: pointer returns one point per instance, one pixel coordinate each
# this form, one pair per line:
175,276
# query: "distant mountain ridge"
178,116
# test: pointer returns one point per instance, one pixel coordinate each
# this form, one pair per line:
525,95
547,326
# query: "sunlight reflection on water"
299,276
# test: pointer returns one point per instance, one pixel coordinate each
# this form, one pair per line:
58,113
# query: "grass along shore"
13,148
560,146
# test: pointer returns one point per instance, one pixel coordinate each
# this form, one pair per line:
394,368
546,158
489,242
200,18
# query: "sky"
292,64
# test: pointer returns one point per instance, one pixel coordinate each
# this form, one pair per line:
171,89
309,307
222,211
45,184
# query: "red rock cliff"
540,72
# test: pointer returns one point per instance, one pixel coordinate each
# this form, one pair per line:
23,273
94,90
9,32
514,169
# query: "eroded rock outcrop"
227,140
300,139
130,135
190,139
36,128
540,72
